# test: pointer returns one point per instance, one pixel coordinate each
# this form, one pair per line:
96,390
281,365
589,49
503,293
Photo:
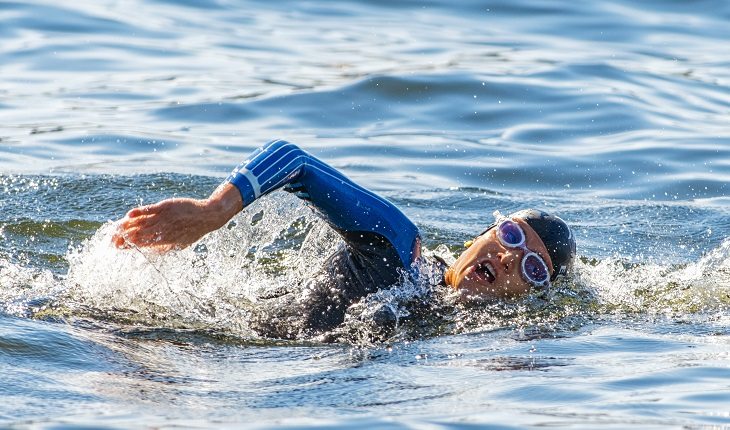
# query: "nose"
510,258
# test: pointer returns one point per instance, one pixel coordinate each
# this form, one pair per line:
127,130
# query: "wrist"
223,204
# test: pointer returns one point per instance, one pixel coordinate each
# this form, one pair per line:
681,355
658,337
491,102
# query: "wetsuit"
379,240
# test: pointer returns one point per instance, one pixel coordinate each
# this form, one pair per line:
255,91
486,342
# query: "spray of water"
24,291
656,289
280,243
211,285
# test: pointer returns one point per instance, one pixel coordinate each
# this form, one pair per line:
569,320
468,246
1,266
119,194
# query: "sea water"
612,114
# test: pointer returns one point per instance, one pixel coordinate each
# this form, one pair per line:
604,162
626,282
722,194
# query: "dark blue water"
612,114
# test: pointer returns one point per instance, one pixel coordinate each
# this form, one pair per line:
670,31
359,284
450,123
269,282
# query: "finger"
122,244
149,237
139,221
149,233
125,223
135,212
139,238
119,239
143,210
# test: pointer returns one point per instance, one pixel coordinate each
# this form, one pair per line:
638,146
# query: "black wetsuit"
380,243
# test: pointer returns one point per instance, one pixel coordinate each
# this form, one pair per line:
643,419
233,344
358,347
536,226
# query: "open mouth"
484,272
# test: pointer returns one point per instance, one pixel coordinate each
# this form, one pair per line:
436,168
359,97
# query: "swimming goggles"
510,234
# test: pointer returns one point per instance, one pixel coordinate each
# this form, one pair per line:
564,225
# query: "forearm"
222,205
177,223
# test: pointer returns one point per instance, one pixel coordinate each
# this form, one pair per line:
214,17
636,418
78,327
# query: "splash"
279,243
223,282
656,289
212,285
25,291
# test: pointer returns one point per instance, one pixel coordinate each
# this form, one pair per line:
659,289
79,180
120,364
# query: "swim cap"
556,236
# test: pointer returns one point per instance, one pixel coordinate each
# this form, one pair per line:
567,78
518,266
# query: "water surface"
612,114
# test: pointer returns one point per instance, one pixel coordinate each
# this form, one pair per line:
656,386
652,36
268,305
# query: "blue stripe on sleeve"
345,205
244,187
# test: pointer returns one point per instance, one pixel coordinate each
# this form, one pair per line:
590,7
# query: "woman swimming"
526,250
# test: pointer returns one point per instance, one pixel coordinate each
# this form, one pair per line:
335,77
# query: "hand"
169,224
177,223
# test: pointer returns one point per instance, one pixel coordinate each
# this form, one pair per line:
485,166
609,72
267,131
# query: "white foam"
211,284
279,242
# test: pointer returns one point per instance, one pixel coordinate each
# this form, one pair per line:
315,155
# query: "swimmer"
517,253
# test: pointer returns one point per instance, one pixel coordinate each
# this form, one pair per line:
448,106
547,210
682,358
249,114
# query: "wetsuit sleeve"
360,216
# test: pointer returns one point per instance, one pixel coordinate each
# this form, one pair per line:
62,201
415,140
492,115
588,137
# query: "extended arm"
179,222
353,211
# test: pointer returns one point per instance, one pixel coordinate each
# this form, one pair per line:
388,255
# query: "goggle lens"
535,269
511,234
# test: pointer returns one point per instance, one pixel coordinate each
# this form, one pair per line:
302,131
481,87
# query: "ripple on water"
612,114
37,344
69,20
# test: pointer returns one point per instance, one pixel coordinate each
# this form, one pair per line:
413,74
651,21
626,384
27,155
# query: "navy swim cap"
556,236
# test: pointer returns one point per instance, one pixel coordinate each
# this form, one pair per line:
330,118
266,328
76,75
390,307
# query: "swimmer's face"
488,269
